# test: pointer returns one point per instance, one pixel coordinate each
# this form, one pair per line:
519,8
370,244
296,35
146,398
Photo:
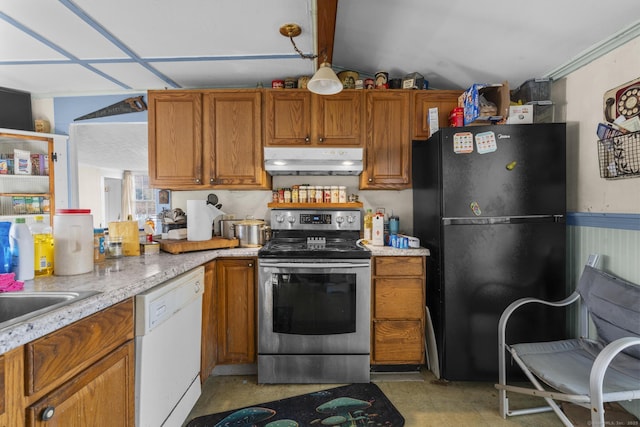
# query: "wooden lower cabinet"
209,344
398,310
236,310
80,375
100,396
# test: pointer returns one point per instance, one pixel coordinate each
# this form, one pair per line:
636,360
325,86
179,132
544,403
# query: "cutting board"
184,245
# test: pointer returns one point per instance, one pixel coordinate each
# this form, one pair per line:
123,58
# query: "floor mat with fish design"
352,405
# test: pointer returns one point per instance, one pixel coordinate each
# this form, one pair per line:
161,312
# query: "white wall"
579,100
91,190
254,203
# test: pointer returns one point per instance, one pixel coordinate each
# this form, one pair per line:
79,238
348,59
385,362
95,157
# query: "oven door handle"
313,265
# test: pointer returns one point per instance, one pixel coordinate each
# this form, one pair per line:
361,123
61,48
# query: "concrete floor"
422,400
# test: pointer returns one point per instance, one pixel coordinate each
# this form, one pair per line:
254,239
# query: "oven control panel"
323,220
315,218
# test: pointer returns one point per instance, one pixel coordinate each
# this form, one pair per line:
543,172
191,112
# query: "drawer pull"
48,413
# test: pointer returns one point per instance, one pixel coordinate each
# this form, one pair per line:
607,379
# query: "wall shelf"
348,205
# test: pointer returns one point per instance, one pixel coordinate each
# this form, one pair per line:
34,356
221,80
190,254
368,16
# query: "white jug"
72,242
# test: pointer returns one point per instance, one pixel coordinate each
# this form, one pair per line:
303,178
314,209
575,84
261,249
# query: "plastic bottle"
42,247
98,245
21,243
368,226
5,247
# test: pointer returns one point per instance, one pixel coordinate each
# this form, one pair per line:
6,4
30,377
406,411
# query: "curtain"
128,196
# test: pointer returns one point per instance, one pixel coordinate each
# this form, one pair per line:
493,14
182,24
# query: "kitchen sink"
16,307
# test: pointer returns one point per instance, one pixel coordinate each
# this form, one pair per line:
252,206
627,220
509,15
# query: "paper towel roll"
200,216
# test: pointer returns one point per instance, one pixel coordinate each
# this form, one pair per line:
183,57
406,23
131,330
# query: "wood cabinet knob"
307,140
370,179
250,264
321,139
48,413
212,180
197,180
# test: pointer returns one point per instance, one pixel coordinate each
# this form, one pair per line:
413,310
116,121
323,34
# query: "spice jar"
295,192
334,194
302,194
319,194
342,194
287,195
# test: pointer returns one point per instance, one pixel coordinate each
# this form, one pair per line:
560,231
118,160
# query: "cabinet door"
101,396
337,119
2,391
443,100
236,310
209,326
287,117
175,139
388,144
233,139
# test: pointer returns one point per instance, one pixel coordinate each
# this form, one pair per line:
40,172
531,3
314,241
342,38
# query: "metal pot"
226,228
250,232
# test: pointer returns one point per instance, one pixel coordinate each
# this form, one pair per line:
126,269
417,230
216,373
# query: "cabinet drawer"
398,341
62,354
398,266
398,298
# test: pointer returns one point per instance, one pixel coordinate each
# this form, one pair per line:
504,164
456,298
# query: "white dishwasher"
168,329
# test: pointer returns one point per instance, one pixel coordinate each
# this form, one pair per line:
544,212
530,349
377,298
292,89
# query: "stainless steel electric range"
314,299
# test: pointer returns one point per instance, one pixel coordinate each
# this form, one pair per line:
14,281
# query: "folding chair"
587,372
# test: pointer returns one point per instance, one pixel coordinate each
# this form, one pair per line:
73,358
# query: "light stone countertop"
117,280
389,251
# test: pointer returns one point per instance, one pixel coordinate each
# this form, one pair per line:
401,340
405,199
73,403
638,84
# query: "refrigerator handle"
504,220
536,218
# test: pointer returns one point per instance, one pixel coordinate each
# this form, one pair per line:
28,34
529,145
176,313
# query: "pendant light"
324,81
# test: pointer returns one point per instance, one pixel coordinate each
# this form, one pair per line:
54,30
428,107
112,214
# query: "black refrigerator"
489,203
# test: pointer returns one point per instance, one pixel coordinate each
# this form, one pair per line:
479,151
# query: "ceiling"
56,48
73,47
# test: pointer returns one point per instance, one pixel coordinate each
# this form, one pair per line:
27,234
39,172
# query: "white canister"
72,242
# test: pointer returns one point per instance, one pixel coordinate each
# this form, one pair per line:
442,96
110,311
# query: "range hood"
313,161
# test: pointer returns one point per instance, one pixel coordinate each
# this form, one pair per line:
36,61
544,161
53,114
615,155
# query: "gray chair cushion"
566,365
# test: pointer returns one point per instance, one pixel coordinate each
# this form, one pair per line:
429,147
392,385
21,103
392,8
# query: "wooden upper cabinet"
299,117
388,140
443,100
337,119
233,139
200,139
175,139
